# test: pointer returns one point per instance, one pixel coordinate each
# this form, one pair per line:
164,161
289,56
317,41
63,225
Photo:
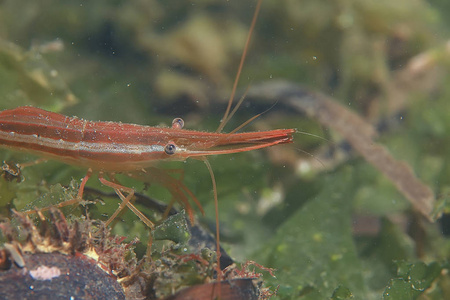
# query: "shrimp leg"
126,201
75,200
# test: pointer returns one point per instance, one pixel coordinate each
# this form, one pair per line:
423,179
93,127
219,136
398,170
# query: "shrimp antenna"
252,118
241,64
308,153
312,156
216,205
236,107
312,134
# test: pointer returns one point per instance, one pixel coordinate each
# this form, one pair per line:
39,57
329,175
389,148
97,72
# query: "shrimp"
110,147
106,148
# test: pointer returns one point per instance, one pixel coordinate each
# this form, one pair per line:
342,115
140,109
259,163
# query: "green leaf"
313,250
174,228
342,293
412,280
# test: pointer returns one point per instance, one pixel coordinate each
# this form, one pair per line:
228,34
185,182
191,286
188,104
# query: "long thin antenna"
236,107
216,205
251,119
241,64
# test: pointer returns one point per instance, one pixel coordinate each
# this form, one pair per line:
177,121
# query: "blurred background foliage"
341,231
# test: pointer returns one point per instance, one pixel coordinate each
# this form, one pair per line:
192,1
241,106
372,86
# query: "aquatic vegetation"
347,227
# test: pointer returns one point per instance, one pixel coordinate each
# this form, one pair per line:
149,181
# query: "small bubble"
270,76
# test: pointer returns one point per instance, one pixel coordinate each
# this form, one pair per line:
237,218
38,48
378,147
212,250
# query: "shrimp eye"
178,123
170,148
